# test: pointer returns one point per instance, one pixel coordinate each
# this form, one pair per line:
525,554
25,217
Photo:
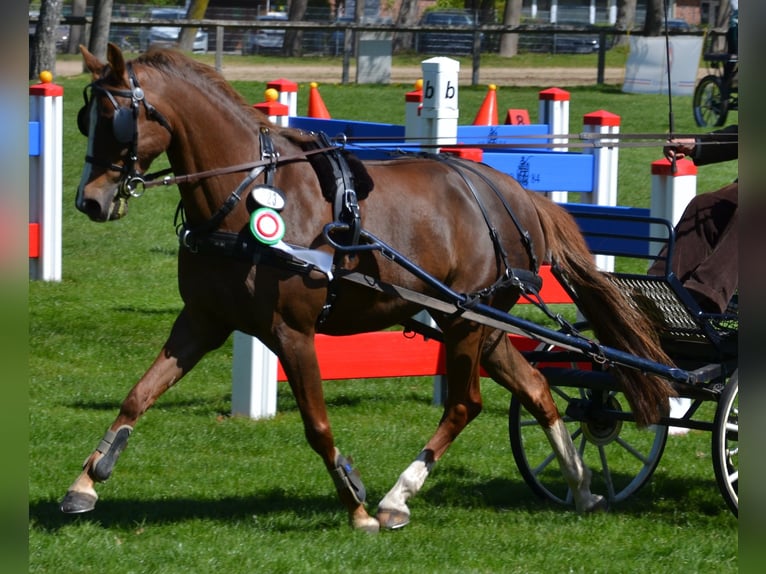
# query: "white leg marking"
408,485
575,472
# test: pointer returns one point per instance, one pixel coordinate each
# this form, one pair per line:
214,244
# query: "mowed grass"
200,491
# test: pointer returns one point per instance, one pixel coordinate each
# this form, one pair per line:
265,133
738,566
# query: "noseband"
124,128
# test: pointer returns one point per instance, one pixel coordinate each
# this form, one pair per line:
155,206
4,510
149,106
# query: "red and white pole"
45,178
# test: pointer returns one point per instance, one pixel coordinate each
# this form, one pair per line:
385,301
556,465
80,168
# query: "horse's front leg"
507,367
297,354
463,404
187,344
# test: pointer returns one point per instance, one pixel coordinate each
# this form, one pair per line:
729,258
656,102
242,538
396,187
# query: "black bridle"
124,128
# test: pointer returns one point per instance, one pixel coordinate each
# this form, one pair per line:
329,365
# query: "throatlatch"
346,477
111,446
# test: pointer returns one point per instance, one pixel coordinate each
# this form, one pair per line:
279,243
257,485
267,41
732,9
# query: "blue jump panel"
545,171
352,129
504,134
611,229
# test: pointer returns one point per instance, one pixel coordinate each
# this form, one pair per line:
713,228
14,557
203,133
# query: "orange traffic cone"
487,115
317,109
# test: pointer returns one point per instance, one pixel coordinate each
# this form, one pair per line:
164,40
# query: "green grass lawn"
200,491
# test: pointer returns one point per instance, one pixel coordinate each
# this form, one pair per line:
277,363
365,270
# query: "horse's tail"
616,322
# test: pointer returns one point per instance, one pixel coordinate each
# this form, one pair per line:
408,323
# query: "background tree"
42,49
99,31
509,43
77,33
626,20
197,10
293,38
654,25
407,16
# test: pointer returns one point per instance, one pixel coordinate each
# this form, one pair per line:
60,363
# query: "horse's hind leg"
463,404
186,345
506,365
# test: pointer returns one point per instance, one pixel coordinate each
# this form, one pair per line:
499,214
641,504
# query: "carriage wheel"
621,455
711,105
725,443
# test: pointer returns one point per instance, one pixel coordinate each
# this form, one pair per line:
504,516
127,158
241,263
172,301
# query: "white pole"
254,378
605,165
45,177
672,190
440,101
553,110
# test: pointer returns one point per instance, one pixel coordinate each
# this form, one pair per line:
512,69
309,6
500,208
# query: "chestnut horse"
468,226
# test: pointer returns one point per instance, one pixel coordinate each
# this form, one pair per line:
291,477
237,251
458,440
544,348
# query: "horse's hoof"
393,519
369,525
78,502
599,506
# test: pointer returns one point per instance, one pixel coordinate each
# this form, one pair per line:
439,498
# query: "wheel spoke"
606,473
632,450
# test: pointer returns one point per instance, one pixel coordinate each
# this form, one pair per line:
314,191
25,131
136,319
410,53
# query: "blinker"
124,119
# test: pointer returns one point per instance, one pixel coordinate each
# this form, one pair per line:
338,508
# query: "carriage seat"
685,331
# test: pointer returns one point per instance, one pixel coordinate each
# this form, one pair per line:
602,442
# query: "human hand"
679,148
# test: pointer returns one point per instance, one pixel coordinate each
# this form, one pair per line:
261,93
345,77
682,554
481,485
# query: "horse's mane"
175,64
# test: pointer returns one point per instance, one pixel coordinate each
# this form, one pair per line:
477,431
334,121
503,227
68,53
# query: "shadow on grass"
117,513
457,487
662,496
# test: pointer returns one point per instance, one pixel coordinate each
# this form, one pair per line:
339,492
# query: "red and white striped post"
288,94
672,190
553,110
605,166
413,105
276,111
45,178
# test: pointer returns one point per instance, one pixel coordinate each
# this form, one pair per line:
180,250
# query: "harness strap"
526,238
188,236
345,207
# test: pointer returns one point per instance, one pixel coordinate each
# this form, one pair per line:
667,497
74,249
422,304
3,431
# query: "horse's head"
116,111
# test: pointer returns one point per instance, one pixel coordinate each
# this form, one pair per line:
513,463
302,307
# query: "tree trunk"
77,33
509,43
294,38
42,50
407,16
197,10
626,20
99,32
655,18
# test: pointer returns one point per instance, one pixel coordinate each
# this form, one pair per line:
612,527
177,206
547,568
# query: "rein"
150,180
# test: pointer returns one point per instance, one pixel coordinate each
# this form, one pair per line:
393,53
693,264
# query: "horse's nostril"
92,209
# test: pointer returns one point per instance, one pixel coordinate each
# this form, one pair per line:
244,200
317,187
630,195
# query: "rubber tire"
725,443
710,104
623,474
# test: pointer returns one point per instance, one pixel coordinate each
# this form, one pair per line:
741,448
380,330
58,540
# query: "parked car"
445,42
563,42
265,40
678,25
168,35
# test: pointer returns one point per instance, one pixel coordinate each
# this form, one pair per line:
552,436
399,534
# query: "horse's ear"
93,64
116,60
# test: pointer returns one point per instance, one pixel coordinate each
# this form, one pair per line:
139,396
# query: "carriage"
285,235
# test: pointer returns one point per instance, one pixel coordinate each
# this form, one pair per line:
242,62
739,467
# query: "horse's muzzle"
102,211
